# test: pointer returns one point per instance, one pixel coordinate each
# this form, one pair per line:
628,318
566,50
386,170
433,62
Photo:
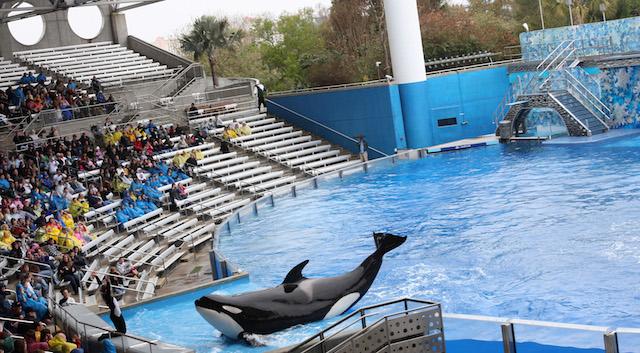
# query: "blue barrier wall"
471,97
619,36
373,111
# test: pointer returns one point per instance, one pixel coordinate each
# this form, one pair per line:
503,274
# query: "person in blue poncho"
121,215
163,167
4,183
38,195
154,182
145,205
164,180
42,78
59,203
178,175
108,346
28,298
134,212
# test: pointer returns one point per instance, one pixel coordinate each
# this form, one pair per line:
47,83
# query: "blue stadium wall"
372,111
471,97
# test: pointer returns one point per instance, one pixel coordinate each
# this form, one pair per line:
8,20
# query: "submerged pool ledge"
606,137
481,141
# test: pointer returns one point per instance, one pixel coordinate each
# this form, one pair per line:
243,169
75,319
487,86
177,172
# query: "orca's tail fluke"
386,242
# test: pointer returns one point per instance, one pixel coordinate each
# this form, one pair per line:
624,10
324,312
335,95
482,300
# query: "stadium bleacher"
276,140
10,73
112,64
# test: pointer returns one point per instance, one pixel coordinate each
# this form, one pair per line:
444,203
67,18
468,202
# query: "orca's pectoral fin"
295,274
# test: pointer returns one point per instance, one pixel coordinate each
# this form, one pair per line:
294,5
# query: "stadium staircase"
561,84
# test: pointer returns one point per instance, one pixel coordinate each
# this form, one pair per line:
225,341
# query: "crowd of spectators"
43,200
64,98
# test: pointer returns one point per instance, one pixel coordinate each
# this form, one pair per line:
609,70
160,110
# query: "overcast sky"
172,16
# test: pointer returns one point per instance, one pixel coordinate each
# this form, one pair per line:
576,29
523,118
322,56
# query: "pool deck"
480,141
607,136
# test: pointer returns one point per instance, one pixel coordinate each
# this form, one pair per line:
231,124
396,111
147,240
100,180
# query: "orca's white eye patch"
231,309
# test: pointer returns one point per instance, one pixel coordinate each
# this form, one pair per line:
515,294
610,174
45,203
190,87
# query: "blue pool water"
533,232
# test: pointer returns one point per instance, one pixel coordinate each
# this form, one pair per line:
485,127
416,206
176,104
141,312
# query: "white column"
405,41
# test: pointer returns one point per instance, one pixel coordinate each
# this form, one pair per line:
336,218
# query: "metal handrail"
368,327
570,113
19,260
549,56
572,87
119,276
331,87
160,91
359,314
325,127
105,329
559,56
598,101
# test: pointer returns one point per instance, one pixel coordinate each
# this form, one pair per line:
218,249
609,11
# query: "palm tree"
207,35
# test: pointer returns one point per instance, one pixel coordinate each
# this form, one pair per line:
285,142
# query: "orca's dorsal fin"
295,274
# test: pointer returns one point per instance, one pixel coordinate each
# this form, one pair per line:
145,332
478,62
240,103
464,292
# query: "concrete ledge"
81,320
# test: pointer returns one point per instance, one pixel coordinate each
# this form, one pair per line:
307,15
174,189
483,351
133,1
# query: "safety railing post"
611,342
508,338
322,347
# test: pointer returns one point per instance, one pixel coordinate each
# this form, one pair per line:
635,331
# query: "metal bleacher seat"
111,63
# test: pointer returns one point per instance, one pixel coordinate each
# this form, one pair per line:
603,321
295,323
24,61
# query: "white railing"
179,81
507,328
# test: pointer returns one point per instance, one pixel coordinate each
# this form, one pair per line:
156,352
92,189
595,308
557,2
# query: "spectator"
245,130
66,299
41,79
68,272
193,110
95,85
363,148
126,268
28,298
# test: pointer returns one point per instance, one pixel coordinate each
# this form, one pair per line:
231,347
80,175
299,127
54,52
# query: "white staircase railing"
178,81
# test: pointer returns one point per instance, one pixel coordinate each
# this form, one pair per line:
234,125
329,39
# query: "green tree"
290,46
208,35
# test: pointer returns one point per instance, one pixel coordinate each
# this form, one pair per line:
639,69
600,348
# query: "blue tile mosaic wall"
621,93
619,36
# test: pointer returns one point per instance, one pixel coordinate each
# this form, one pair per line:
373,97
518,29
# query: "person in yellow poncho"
130,134
59,344
67,240
108,138
67,219
53,229
6,238
198,155
117,135
78,207
245,130
229,133
180,159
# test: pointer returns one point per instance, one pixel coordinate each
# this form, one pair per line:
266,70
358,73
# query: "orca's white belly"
222,322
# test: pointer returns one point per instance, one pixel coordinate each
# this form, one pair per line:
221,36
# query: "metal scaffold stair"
405,325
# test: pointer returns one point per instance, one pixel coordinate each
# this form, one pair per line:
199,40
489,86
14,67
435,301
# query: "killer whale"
297,300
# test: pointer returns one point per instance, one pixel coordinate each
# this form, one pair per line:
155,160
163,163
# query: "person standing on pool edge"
363,148
115,314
